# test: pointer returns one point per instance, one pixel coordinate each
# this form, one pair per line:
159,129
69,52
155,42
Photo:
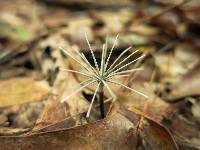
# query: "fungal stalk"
102,74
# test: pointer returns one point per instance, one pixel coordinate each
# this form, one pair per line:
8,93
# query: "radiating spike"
133,75
126,71
102,60
78,72
79,89
85,60
90,65
107,61
95,61
93,98
119,76
106,51
128,64
128,88
118,58
75,59
124,60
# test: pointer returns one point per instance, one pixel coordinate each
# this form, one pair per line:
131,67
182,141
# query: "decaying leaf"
22,116
5,131
112,133
154,135
184,123
30,34
118,131
52,113
173,66
188,86
22,90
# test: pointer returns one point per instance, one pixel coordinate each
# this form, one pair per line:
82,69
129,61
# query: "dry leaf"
111,133
22,116
21,90
117,131
188,86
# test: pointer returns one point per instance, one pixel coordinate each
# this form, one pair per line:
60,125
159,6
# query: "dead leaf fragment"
188,86
117,131
111,133
21,90
22,116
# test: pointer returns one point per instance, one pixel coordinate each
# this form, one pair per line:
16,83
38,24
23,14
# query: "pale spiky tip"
103,75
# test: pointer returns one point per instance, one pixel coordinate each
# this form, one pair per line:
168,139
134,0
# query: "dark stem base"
101,101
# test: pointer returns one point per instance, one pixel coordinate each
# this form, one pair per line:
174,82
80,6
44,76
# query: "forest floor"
32,85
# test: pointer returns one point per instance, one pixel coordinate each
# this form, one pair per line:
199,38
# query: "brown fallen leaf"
63,124
111,133
51,114
173,66
119,130
155,135
21,90
188,86
22,116
5,131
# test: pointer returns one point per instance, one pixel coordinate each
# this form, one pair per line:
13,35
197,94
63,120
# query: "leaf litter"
31,84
